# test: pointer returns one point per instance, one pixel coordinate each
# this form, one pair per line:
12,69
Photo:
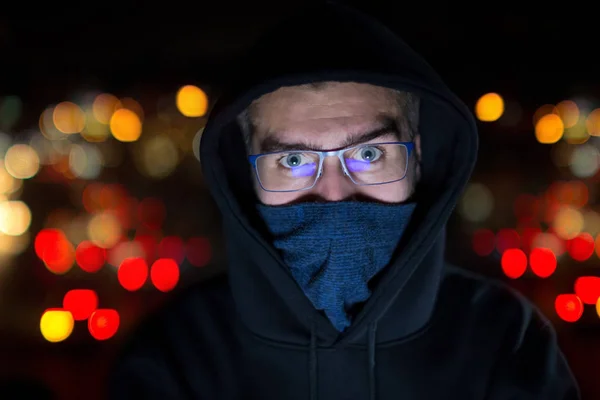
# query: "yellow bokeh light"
192,101
104,106
549,129
489,107
56,325
104,230
593,122
94,131
568,111
15,217
22,161
68,117
125,125
158,157
568,223
576,134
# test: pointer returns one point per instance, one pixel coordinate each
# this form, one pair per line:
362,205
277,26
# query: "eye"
294,160
368,154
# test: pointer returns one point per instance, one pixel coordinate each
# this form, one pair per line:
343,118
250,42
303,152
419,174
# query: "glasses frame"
330,153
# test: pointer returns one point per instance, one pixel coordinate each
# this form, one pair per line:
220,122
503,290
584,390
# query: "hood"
332,42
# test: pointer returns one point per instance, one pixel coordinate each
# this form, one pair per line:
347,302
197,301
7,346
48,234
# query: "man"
336,160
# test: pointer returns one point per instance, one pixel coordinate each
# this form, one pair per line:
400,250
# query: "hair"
408,104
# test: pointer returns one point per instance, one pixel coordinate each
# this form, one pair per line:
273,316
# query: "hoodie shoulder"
527,362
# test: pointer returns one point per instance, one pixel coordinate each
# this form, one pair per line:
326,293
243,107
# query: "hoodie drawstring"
312,363
371,353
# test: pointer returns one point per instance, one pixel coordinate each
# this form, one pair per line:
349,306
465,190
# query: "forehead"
331,105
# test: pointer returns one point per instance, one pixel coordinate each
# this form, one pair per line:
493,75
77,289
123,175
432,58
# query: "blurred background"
103,210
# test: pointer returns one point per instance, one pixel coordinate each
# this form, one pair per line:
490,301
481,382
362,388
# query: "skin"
325,118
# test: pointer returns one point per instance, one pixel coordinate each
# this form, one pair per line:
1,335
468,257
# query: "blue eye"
369,154
293,160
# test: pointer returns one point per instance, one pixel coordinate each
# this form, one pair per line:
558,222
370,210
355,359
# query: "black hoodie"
428,331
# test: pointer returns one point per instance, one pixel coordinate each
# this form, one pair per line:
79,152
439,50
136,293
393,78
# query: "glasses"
366,164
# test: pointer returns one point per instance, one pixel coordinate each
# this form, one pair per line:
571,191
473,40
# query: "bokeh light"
581,247
593,122
191,101
585,161
104,107
68,117
164,274
81,303
549,129
477,203
125,125
542,262
103,323
158,157
587,288
489,107
22,161
172,247
568,307
104,229
568,222
133,273
56,325
569,112
514,263
89,257
15,217
55,250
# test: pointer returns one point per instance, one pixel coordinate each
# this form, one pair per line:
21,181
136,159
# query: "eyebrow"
387,126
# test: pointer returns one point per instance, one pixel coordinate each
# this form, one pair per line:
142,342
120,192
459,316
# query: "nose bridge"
333,185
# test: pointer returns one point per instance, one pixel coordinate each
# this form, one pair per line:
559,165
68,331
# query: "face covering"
333,249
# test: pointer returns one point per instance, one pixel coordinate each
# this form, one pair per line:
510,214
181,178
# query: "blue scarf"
333,249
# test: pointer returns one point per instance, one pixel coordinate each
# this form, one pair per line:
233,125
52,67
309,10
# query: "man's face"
326,119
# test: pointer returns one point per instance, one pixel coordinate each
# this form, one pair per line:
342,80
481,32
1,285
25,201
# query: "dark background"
52,53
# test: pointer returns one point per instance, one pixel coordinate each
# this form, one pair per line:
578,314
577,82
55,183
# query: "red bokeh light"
568,307
581,247
81,303
199,252
151,213
514,263
133,273
90,257
55,250
164,274
103,323
542,262
172,247
588,289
